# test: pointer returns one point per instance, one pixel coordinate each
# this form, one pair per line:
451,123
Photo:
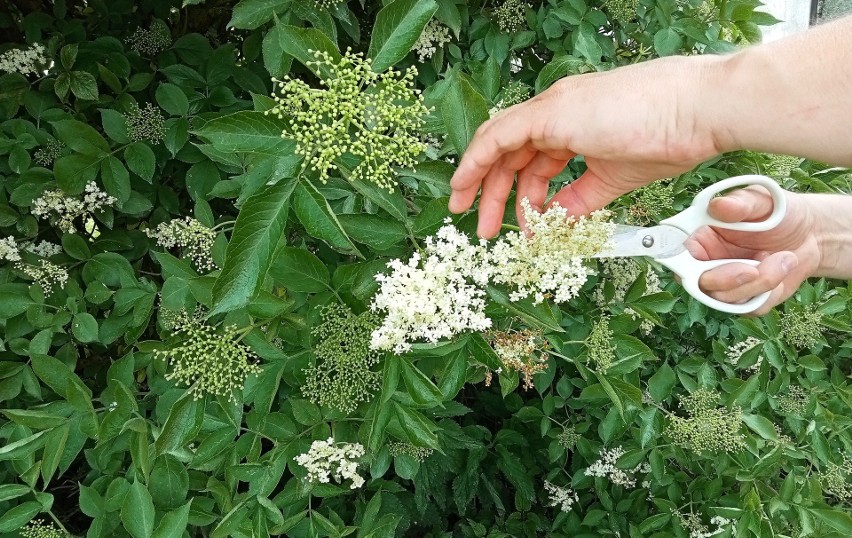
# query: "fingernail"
789,263
745,278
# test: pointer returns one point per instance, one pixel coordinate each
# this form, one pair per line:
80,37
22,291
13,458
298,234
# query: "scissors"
665,242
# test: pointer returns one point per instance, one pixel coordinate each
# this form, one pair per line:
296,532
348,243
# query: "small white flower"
564,498
29,61
9,249
434,36
327,459
605,468
66,209
736,351
45,249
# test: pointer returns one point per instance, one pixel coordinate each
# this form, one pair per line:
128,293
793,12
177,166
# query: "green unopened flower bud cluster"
343,377
794,401
151,41
836,480
708,429
651,203
568,438
39,529
599,347
373,116
511,15
514,93
801,326
419,453
327,4
63,210
621,10
782,165
194,238
47,154
209,360
146,124
29,61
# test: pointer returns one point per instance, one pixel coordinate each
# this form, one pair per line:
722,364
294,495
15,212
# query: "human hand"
788,254
633,125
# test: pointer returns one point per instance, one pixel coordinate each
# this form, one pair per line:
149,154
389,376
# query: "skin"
658,119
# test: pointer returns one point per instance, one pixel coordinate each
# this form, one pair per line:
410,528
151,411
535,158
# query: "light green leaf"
463,111
84,85
586,44
398,26
301,43
34,418
258,230
245,132
137,511
667,41
173,523
276,61
660,384
421,389
16,517
22,447
54,447
836,519
299,270
116,179
761,426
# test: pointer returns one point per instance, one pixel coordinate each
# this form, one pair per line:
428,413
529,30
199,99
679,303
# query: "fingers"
736,283
749,204
586,194
534,180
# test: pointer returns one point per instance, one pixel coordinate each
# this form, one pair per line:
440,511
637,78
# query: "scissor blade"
657,242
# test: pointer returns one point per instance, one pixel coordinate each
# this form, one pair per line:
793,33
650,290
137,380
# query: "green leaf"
84,85
540,315
418,429
76,247
16,300
169,482
12,491
667,41
250,14
115,125
85,328
300,43
73,172
172,99
421,389
183,423
761,426
454,374
34,418
245,132
137,511
398,26
54,447
836,519
16,517
299,270
81,137
140,160
276,61
660,384
173,523
116,179
373,230
463,110
319,219
22,447
392,202
257,231
586,44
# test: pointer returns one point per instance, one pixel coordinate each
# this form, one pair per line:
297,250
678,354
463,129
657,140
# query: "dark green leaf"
137,511
140,160
299,270
249,14
16,517
319,219
463,110
182,424
397,27
172,99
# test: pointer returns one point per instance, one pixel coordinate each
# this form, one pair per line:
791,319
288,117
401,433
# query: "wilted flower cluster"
152,41
342,377
651,203
9,249
434,36
736,351
195,238
697,529
327,459
46,274
801,326
145,124
600,349
207,359
440,293
39,529
782,165
549,262
794,401
373,116
621,10
511,15
836,480
29,61
568,438
66,209
564,498
419,453
605,467
709,428
517,351
514,93
47,154
45,249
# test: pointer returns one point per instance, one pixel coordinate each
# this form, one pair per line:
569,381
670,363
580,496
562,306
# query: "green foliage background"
96,439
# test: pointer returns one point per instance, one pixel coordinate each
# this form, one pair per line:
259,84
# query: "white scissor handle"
696,216
690,270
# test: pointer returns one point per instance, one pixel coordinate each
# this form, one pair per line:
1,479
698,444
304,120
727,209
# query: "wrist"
832,229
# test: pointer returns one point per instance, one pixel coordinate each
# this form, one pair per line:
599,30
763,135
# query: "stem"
56,520
511,227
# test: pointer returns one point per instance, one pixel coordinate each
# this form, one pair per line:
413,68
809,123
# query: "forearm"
792,96
832,217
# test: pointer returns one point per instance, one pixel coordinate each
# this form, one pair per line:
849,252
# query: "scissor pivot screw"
648,241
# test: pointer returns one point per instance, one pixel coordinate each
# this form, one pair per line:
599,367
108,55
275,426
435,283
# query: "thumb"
585,194
743,205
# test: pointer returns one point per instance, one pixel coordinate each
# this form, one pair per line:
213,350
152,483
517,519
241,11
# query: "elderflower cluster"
836,480
44,249
622,273
46,274
801,327
39,529
195,238
373,116
47,154
514,93
511,15
9,249
697,529
29,61
207,359
568,438
549,262
651,203
434,36
66,209
736,351
564,498
621,10
794,401
708,429
517,352
152,41
327,459
419,453
145,124
327,4
605,467
782,165
342,376
599,346
435,295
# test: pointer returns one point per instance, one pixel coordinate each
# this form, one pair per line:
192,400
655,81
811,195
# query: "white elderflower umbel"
45,249
66,209
549,262
46,274
189,234
327,459
564,498
9,249
435,35
605,468
29,61
736,351
435,295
